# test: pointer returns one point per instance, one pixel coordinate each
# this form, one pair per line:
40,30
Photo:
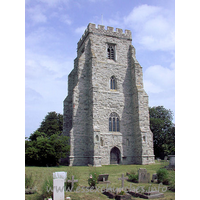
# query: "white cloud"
159,83
45,67
159,79
52,3
141,14
80,30
32,96
66,19
153,27
36,14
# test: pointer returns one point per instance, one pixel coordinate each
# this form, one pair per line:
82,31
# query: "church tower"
106,111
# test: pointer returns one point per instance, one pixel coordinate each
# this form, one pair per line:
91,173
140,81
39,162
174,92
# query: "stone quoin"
106,114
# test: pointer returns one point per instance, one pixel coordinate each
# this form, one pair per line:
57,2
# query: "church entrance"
114,156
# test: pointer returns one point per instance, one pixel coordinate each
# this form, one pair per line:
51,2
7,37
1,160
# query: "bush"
172,181
163,176
133,177
121,193
47,188
29,183
93,179
46,150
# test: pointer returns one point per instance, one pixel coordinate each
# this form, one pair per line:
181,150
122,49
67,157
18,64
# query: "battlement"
100,30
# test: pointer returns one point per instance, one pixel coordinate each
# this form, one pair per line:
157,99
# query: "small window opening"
111,52
113,83
127,142
114,123
101,141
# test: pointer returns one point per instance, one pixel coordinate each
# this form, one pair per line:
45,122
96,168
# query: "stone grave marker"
143,176
103,178
58,189
172,161
72,181
122,179
60,175
59,178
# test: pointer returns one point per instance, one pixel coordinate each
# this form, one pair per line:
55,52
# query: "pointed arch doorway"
114,156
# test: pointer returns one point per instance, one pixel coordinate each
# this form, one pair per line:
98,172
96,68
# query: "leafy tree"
163,131
35,135
52,123
47,145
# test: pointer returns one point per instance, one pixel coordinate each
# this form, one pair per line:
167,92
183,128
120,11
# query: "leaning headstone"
59,178
143,176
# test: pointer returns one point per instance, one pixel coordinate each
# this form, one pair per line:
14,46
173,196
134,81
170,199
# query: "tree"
47,145
163,131
52,123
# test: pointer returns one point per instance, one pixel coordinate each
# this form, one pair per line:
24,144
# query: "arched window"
113,83
111,51
114,122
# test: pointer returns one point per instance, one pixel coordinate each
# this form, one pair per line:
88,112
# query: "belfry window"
111,52
114,122
113,83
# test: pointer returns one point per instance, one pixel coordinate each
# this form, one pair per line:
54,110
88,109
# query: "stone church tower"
106,111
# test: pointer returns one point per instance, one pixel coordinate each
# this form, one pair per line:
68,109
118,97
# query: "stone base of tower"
96,161
78,161
144,159
85,161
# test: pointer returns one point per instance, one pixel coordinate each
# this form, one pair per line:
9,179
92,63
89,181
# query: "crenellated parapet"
100,30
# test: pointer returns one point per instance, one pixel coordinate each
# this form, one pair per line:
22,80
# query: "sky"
53,28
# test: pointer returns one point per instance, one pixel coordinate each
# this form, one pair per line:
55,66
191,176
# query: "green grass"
39,175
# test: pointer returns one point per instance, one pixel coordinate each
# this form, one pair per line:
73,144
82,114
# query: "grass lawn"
82,173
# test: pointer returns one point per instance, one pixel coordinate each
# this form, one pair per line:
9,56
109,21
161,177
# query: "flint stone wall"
90,101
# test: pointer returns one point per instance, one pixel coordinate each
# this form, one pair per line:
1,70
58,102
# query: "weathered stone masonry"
91,102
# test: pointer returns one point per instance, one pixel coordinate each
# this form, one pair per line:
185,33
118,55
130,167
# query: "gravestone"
122,179
59,178
60,175
143,176
103,178
58,189
153,195
172,161
147,195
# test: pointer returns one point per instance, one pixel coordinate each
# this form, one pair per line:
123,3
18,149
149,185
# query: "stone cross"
122,178
72,181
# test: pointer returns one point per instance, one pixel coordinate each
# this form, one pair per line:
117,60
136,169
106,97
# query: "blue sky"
53,28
